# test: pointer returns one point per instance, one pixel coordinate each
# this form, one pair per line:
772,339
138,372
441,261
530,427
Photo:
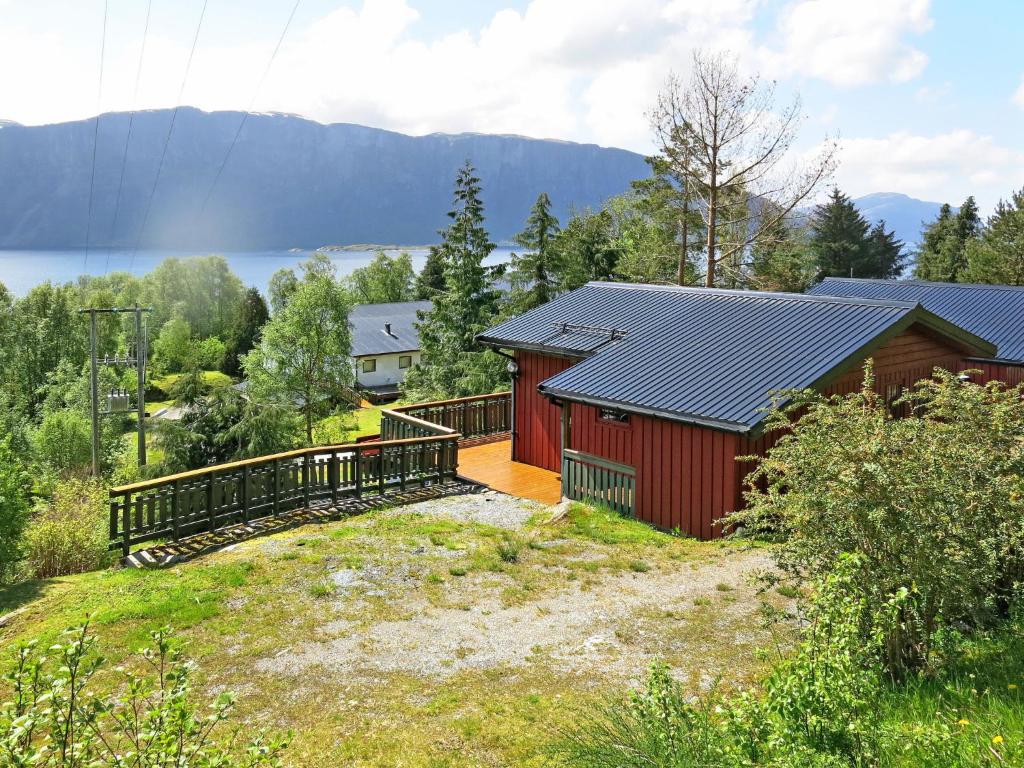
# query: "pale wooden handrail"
456,401
294,454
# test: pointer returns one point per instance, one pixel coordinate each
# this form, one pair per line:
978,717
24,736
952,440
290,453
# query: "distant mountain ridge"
289,182
903,214
294,183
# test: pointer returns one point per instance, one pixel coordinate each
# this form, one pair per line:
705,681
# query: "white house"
385,344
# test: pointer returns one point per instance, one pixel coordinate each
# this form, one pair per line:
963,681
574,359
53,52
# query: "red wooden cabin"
644,396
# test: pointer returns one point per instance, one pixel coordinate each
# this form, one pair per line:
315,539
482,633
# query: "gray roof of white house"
994,312
706,356
369,327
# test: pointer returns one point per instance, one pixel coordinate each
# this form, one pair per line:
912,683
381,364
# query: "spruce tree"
245,333
839,238
430,280
453,364
998,255
942,255
885,252
534,272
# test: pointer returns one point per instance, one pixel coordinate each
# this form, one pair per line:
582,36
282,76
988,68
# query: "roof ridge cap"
742,293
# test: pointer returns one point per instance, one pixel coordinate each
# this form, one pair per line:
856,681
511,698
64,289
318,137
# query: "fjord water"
21,270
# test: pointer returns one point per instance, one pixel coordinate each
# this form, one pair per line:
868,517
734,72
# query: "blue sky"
925,97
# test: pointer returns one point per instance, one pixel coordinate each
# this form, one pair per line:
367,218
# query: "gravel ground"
489,508
615,622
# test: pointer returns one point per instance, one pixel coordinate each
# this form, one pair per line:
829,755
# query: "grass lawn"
457,632
212,378
361,422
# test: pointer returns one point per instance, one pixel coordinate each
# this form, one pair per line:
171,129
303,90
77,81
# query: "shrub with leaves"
68,532
932,505
15,484
56,717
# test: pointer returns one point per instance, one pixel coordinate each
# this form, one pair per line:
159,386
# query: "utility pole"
120,397
94,385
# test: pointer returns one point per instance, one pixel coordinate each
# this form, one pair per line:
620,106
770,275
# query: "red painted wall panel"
538,422
680,481
1011,375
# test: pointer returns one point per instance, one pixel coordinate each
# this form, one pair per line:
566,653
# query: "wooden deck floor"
491,465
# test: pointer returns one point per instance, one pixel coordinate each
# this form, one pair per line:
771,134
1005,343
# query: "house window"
369,366
404,361
893,392
613,416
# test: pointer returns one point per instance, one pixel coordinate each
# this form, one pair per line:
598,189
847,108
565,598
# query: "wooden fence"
227,494
471,417
594,479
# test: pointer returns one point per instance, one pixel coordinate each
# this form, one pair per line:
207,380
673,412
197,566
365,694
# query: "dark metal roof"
368,327
710,356
994,312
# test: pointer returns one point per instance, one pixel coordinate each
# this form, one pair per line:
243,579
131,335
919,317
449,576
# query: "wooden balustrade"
597,480
471,417
227,494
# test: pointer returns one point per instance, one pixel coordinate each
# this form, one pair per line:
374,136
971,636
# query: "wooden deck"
491,465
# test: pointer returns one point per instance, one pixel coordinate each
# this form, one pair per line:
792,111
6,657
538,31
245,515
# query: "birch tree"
725,139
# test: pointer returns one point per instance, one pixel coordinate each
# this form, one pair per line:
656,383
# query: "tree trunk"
712,214
681,276
309,426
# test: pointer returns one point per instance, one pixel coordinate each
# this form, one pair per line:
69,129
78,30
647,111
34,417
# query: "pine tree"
998,255
839,236
885,252
534,272
942,255
453,365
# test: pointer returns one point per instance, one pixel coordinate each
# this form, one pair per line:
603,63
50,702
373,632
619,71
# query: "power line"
167,140
245,115
95,136
128,138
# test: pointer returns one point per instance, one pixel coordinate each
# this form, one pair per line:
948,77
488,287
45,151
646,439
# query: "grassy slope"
237,607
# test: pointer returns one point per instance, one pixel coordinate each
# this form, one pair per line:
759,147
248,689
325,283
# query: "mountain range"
228,181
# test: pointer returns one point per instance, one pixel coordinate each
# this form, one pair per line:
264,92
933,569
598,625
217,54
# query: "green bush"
15,484
63,442
933,504
57,718
68,533
209,353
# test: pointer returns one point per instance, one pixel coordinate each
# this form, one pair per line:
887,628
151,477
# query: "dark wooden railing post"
245,493
305,481
176,510
277,485
126,522
380,469
402,469
358,459
210,509
334,470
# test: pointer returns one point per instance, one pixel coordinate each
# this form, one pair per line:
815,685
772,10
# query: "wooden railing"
595,479
243,491
471,417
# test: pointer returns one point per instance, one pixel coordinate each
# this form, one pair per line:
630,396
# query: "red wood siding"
1011,375
538,422
908,358
685,475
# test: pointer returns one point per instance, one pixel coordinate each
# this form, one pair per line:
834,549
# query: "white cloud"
945,167
572,69
1018,96
851,43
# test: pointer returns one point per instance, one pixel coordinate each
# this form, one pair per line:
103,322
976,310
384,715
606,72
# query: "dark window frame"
405,357
370,362
612,417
